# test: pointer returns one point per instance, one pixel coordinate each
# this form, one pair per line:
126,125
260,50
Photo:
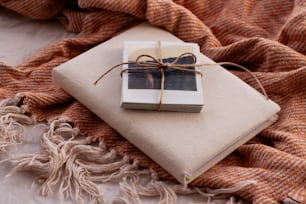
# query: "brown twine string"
158,64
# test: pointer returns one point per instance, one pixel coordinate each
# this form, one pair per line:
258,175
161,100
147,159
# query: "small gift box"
161,76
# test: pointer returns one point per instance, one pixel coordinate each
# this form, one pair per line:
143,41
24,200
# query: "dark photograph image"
174,79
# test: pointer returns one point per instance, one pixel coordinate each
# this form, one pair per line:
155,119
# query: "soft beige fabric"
22,37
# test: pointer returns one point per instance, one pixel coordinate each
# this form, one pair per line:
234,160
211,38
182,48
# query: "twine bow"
158,64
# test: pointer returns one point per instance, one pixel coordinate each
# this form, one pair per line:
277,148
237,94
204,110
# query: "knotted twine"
158,64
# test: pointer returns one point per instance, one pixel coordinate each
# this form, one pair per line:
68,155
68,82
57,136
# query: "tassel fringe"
72,166
132,189
12,121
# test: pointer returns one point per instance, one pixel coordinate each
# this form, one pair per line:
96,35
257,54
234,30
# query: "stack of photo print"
142,89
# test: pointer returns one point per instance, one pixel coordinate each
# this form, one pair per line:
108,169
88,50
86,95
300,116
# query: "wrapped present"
184,144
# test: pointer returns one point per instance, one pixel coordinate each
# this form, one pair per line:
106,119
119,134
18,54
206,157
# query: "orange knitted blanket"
268,37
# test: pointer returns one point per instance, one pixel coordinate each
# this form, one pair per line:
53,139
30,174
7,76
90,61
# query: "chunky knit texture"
268,37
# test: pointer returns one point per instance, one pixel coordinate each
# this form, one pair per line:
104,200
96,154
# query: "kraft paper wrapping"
185,144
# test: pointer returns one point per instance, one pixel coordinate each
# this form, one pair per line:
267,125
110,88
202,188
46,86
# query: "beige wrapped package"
185,144
141,89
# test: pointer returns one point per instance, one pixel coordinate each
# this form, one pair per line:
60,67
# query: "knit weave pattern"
268,37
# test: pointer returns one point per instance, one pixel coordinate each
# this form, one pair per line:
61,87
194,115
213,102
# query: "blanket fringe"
224,193
75,165
12,119
72,164
132,189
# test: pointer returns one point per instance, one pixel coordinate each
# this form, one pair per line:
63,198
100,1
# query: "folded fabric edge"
69,162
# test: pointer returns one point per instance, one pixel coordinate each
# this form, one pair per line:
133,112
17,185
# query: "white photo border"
152,96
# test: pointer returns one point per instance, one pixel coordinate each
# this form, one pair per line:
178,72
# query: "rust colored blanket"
267,36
